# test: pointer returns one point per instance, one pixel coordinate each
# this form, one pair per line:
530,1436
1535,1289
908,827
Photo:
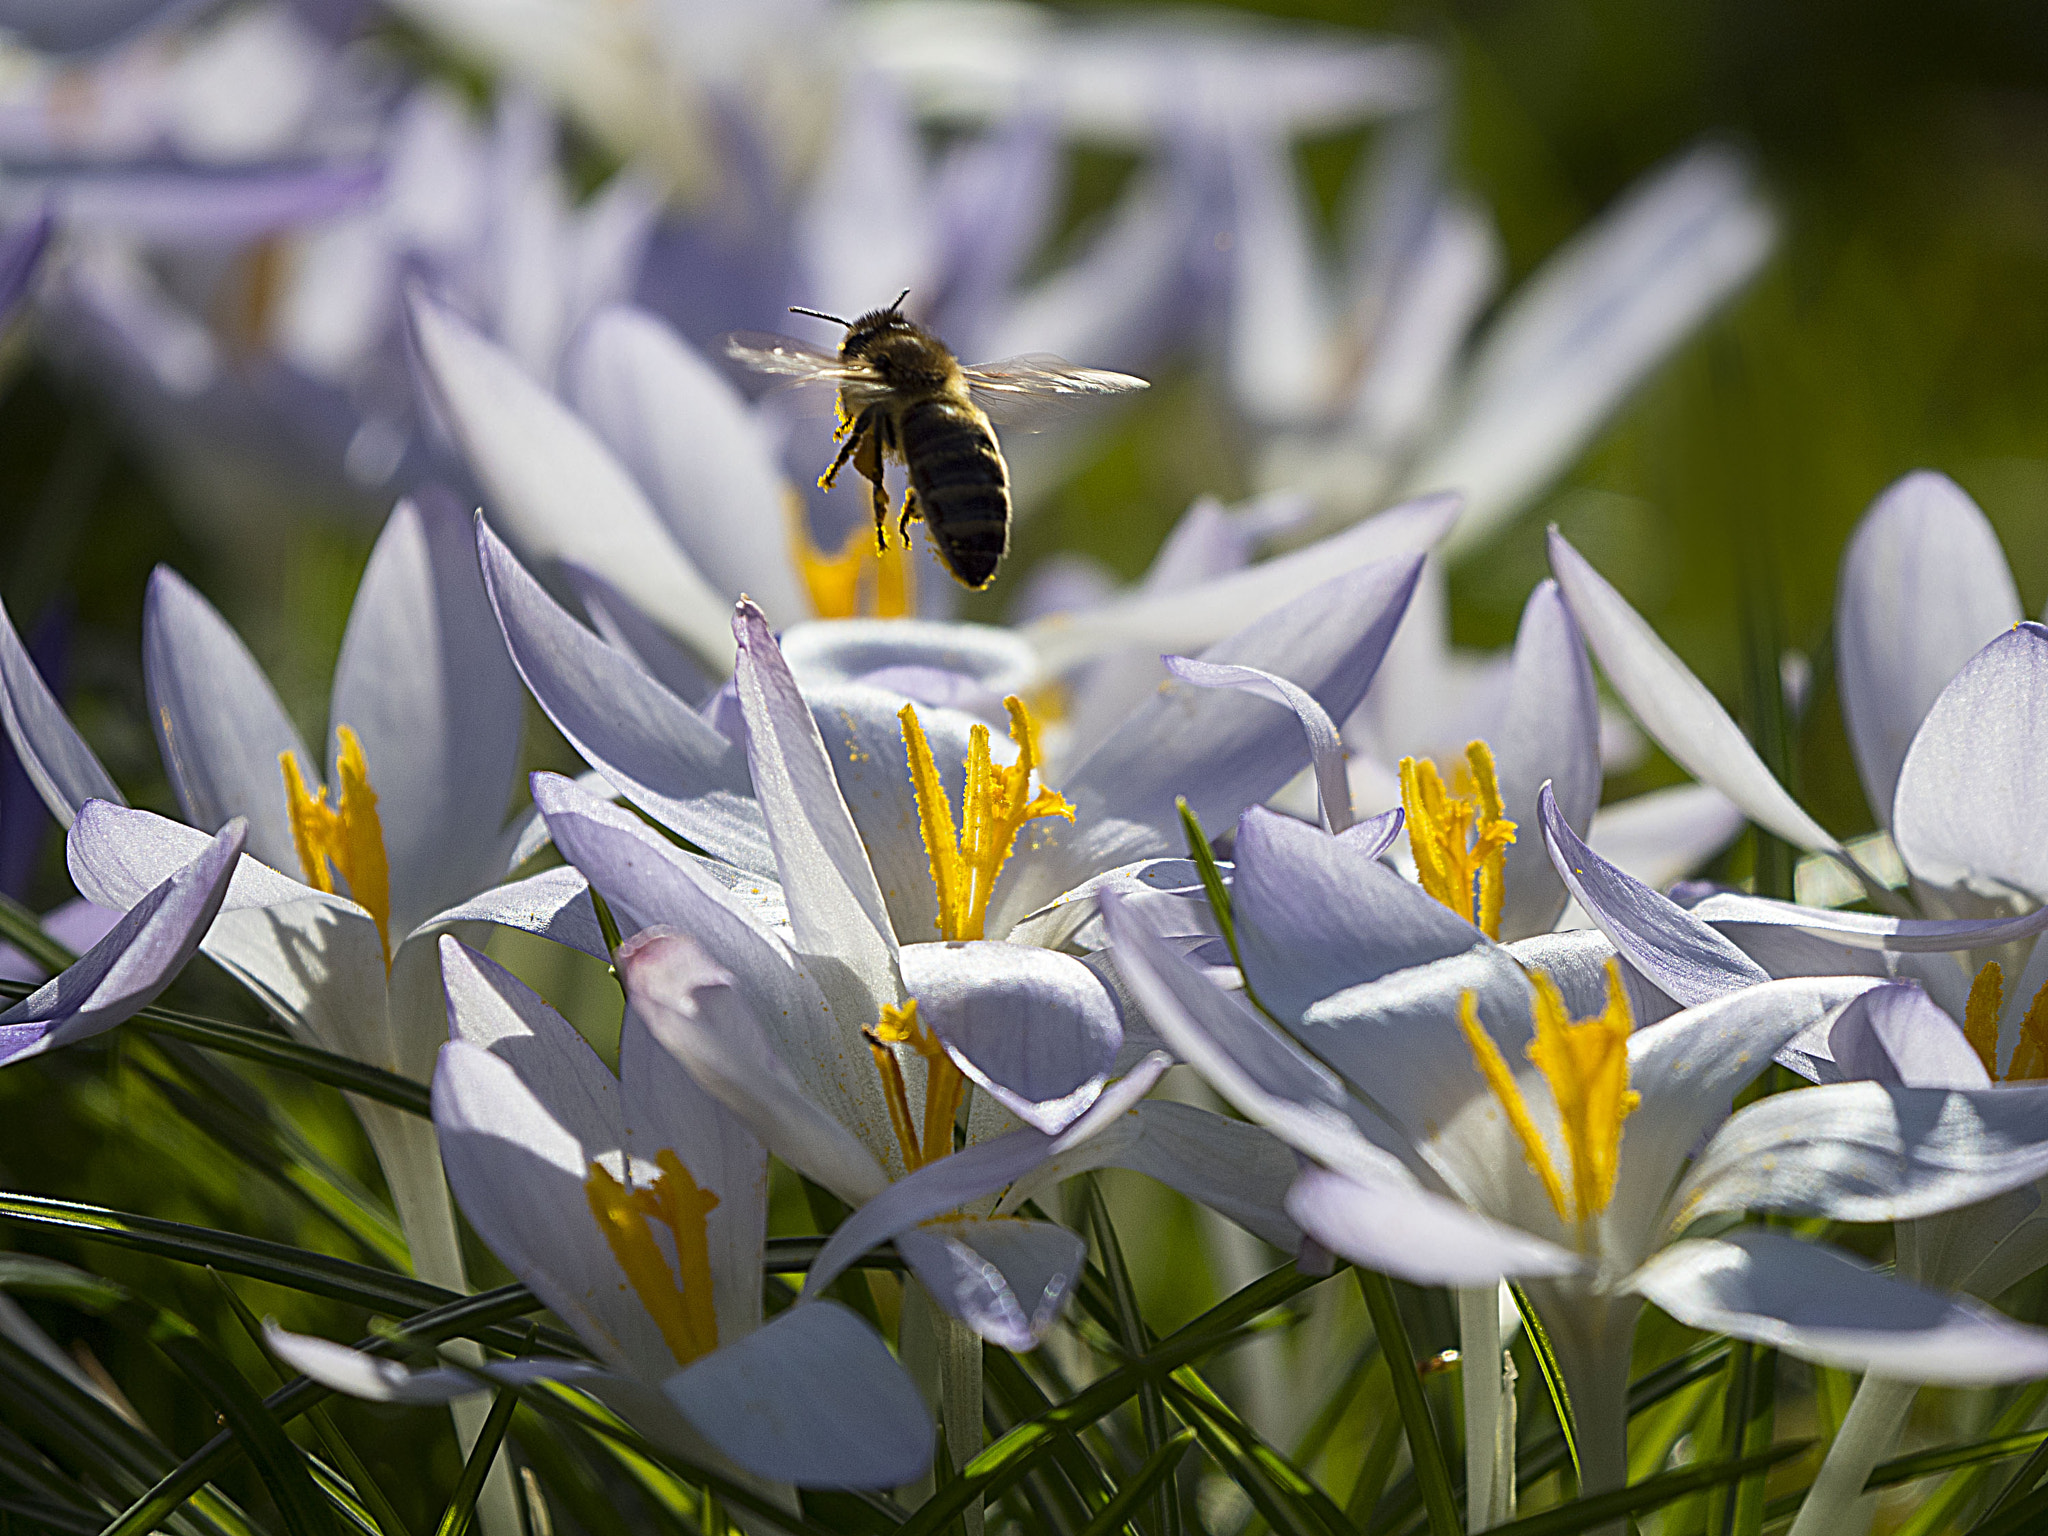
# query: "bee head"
865,330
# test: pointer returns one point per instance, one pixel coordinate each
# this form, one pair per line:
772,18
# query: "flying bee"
903,395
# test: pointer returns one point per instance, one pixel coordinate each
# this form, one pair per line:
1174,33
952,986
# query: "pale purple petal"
21,252
1006,1278
1666,834
193,205
815,1399
1924,587
626,629
1871,931
1325,746
1898,1034
64,770
1974,781
1821,1305
369,1377
1401,1229
554,904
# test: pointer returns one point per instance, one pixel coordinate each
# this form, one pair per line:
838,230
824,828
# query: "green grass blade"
1137,1339
1584,1514
1424,1448
24,930
1217,892
1946,1502
1308,1508
461,1511
1553,1376
1156,1472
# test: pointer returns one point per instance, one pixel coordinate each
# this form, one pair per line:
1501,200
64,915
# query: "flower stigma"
346,837
1585,1062
1980,1027
1460,835
860,581
678,1300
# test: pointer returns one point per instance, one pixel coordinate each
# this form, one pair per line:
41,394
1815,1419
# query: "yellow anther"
1980,1016
2030,1056
679,1300
857,582
1585,1062
900,1026
346,837
994,807
1460,836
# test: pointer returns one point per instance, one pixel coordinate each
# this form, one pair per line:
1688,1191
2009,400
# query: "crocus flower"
1472,1111
636,1207
365,862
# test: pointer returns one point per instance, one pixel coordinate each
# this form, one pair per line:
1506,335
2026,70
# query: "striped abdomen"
962,485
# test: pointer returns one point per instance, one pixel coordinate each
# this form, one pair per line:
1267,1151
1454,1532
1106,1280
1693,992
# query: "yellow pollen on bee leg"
857,582
2030,1056
1459,836
1980,1016
346,837
679,1300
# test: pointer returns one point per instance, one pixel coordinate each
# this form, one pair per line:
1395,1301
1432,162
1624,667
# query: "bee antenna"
819,314
893,308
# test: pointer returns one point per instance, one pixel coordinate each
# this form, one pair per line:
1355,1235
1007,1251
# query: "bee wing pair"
1026,392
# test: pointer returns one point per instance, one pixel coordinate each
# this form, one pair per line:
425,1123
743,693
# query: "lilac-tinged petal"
21,252
1037,1030
1866,1151
554,904
116,855
1898,1034
1316,914
1238,1170
1265,1076
1872,931
369,1377
424,682
1587,327
1186,617
1674,706
138,958
192,205
79,924
626,629
1666,834
1279,311
64,770
836,910
218,721
1169,891
1676,949
962,1178
556,489
692,1007
1973,783
1401,1229
648,743
1006,1278
815,1399
851,650
1924,587
1550,731
690,438
1325,746
1821,1305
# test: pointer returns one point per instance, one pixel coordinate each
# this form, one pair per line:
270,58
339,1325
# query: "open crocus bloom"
1472,1111
334,933
849,1005
1946,691
636,1208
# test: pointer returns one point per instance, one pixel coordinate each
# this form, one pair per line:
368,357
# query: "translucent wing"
1032,390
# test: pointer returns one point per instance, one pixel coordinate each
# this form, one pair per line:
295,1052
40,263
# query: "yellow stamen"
1459,836
900,1026
346,835
679,1300
2030,1056
1494,1068
1980,1016
994,807
859,581
1585,1062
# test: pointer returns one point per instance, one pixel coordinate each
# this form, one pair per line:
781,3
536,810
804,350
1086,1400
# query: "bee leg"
881,505
856,433
912,513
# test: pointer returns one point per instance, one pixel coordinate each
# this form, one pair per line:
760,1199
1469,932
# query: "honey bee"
903,395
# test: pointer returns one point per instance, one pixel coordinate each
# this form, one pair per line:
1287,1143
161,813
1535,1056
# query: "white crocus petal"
1823,1306
556,488
1864,1151
1973,783
1400,1228
1666,834
649,744
688,436
836,909
692,1008
425,684
1869,931
218,721
1278,307
1187,618
815,1399
1549,731
369,1377
1325,746
1674,706
64,770
1924,587
1005,1278
1580,334
554,904
629,631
